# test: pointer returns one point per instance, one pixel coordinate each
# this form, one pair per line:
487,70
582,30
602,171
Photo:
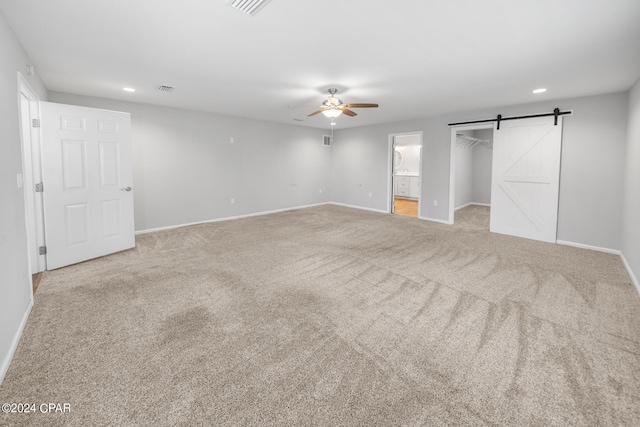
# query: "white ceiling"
414,58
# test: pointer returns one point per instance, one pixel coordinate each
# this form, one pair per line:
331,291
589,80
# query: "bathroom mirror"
397,159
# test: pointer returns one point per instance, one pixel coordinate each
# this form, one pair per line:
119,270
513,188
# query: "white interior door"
526,178
31,172
87,176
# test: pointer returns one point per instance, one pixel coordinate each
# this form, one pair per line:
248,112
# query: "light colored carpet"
472,217
333,316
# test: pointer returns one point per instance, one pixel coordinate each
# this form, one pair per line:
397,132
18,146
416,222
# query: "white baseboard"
593,248
385,212
358,207
441,221
228,218
6,362
472,204
633,277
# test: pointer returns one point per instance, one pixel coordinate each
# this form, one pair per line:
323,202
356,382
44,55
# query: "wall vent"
250,7
165,88
326,140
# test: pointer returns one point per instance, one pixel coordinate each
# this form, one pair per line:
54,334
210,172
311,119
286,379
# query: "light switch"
20,180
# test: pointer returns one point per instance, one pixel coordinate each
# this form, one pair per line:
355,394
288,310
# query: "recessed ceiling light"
128,89
541,90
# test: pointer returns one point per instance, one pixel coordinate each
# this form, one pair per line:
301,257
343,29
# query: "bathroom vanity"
406,185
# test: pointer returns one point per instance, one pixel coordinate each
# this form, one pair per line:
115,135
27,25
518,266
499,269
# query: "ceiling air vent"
165,88
250,7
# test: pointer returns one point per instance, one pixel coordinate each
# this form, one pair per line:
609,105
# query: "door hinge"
39,187
35,123
42,250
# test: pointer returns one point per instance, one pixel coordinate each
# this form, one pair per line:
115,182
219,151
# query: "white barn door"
526,178
87,176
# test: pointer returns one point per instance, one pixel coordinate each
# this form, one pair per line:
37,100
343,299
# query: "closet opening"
472,161
405,176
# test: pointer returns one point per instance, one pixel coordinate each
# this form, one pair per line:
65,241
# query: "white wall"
359,166
592,171
15,283
631,211
186,170
593,157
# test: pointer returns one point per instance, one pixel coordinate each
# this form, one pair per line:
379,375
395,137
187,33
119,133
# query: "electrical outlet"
233,201
435,203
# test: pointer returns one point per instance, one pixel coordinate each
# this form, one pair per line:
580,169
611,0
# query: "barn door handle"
125,189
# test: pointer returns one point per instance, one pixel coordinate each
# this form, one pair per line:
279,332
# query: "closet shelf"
470,141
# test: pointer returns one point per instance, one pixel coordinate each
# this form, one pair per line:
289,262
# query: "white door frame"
452,163
390,193
32,174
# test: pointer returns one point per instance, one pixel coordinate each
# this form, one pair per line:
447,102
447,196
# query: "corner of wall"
631,206
15,293
6,361
632,276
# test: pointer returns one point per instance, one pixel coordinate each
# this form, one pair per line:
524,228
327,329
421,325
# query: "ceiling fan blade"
361,105
315,112
348,112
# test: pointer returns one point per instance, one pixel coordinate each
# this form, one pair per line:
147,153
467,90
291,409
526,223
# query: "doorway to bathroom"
405,176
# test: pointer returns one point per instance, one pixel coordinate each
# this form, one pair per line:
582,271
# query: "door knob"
125,189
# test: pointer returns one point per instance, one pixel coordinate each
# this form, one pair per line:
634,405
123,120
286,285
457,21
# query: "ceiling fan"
333,106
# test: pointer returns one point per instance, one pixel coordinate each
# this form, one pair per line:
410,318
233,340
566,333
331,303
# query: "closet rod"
556,113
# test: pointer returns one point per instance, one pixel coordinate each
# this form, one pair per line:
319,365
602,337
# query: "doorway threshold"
406,207
35,278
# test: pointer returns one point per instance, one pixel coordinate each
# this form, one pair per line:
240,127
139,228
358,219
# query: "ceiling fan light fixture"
333,107
332,112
